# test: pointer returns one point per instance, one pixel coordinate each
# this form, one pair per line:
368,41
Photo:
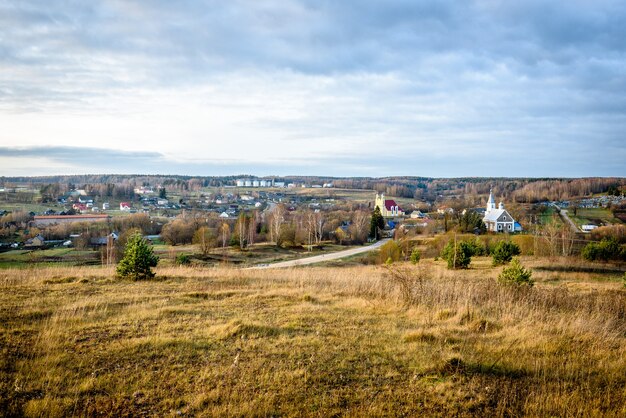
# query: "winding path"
323,257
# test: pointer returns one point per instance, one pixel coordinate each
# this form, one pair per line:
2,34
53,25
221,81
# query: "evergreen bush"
503,252
515,274
138,259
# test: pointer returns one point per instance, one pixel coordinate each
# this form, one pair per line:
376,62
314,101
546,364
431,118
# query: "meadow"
401,340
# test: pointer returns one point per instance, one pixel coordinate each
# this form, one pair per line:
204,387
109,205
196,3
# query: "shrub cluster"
606,250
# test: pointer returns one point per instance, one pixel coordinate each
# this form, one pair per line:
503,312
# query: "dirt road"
564,215
323,257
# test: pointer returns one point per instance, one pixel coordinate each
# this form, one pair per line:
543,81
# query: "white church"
499,220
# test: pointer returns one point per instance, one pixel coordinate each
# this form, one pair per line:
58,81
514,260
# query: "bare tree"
205,239
320,221
242,229
277,218
567,240
252,225
224,234
310,226
360,225
552,234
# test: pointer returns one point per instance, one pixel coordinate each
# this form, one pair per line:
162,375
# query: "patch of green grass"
549,217
596,216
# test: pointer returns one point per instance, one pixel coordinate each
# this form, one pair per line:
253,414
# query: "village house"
35,242
499,220
388,207
102,241
85,199
125,206
442,210
79,207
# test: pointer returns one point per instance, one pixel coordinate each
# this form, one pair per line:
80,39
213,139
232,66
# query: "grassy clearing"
596,216
28,207
550,217
311,341
255,254
62,257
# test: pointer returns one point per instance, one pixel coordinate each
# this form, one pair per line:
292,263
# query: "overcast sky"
313,87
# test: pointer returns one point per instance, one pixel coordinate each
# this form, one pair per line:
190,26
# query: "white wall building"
498,220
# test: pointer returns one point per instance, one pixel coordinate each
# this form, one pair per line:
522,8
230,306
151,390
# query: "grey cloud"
473,73
97,156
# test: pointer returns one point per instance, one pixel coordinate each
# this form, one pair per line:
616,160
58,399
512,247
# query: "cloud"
459,86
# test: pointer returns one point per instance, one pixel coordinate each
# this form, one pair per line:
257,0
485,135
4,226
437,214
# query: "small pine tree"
515,274
183,259
137,260
415,256
504,251
377,223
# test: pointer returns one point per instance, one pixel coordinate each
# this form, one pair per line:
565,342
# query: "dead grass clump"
483,326
445,314
420,336
196,295
244,330
60,280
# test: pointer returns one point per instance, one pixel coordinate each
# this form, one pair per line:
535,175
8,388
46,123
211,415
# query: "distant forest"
520,190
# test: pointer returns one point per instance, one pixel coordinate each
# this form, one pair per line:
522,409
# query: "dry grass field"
353,341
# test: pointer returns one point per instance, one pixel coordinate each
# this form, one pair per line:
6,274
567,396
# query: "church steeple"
491,203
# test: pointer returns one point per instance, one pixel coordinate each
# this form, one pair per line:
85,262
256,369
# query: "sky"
313,87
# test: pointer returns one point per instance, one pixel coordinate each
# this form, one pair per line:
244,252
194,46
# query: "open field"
314,341
550,217
597,216
252,255
65,257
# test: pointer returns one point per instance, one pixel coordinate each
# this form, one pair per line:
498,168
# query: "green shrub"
459,256
477,247
137,260
183,259
503,252
605,250
415,256
515,274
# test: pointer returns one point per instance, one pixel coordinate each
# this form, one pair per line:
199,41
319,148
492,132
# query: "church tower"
380,202
491,203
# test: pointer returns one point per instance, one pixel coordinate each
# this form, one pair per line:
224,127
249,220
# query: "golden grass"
356,341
